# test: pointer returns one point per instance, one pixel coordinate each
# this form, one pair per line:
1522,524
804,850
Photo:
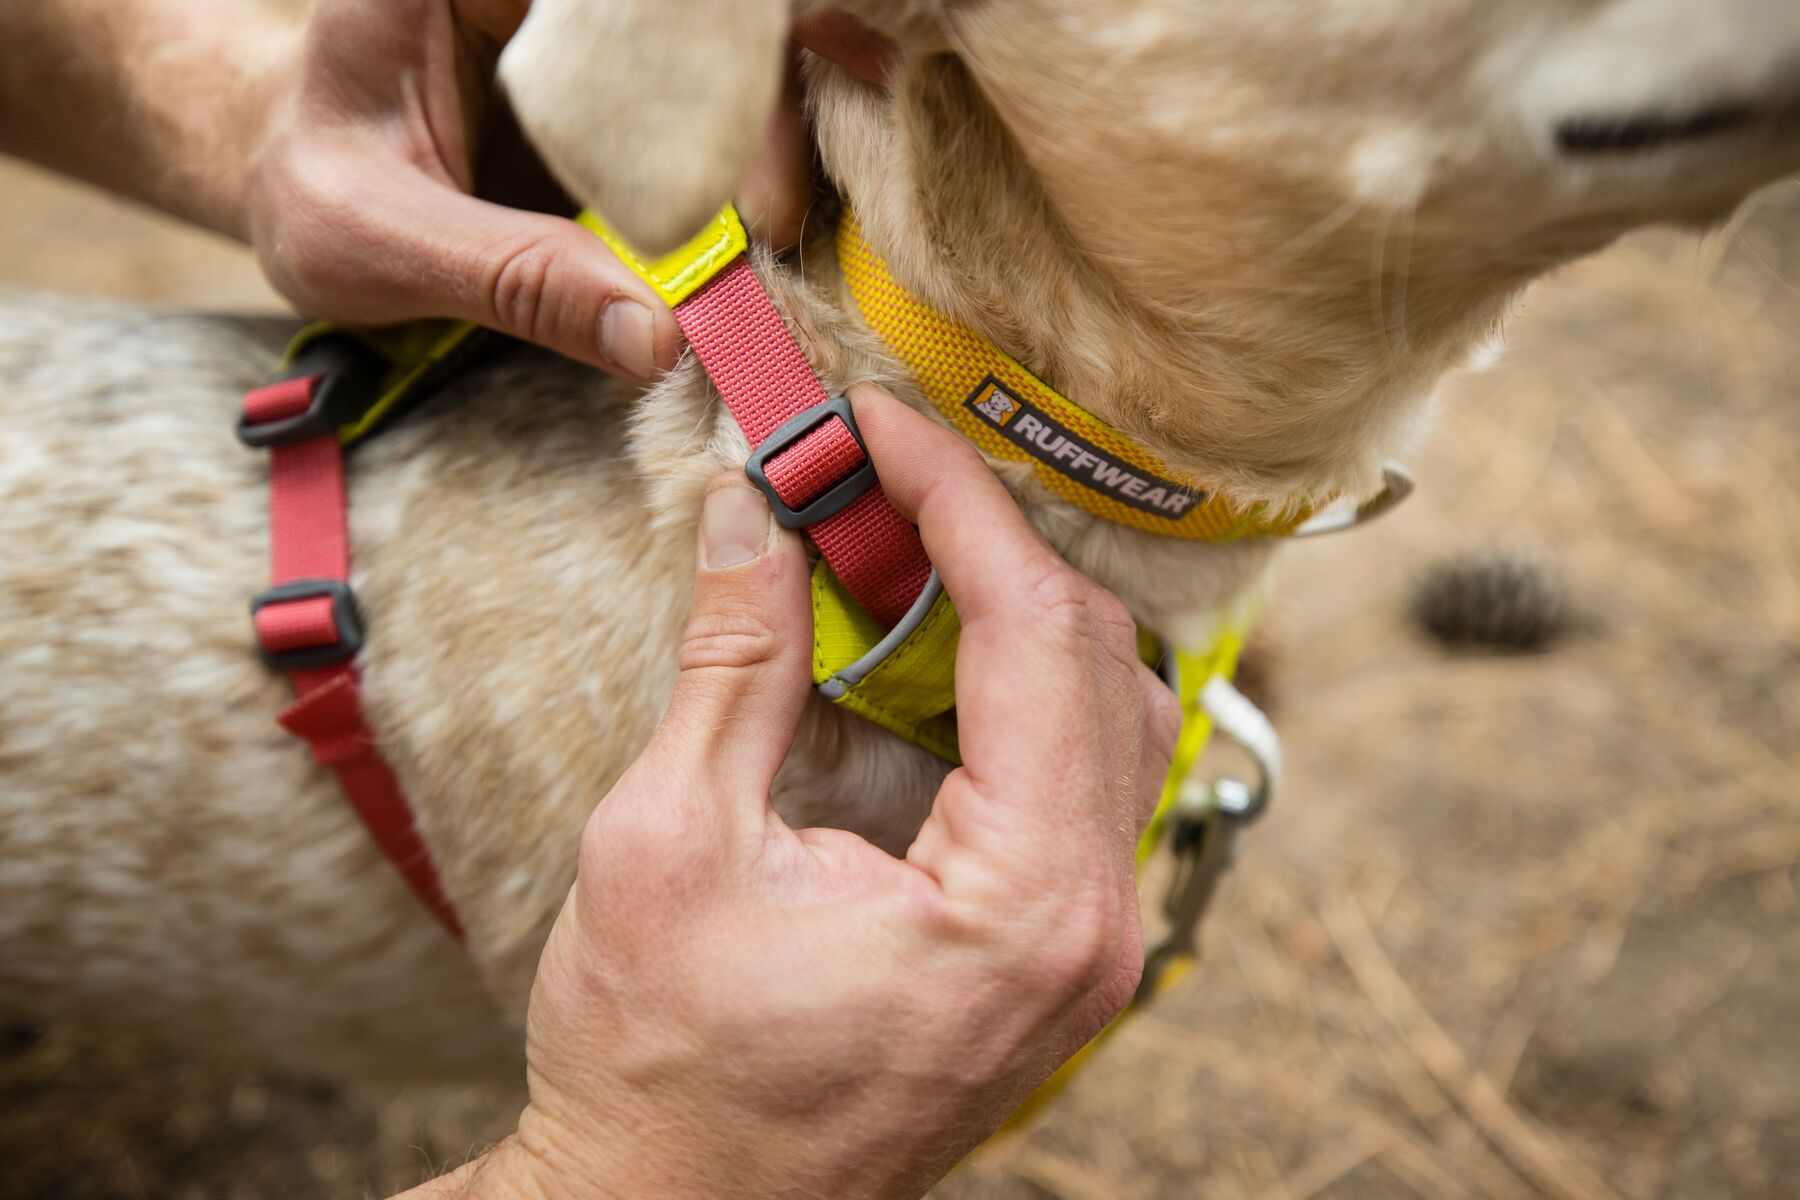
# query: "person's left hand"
360,199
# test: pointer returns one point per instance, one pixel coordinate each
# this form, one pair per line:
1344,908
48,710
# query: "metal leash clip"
1204,825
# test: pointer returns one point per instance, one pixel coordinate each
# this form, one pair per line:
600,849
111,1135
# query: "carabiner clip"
1204,828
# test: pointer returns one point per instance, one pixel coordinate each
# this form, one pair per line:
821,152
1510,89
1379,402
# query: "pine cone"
1507,598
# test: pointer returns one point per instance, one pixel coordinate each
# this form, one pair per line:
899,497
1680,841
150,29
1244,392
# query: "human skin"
726,1006
730,1007
346,153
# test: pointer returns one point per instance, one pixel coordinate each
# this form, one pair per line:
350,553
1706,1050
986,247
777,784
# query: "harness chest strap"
884,632
308,624
808,454
809,460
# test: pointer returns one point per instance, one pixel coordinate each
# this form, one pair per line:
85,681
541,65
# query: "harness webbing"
765,382
885,633
999,404
303,618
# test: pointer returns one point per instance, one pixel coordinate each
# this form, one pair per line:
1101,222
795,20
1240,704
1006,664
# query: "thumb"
746,658
418,247
547,280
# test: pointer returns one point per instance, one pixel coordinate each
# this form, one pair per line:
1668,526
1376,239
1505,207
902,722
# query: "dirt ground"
1520,925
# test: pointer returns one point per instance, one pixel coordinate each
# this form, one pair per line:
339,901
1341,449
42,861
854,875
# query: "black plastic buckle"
839,495
344,612
350,376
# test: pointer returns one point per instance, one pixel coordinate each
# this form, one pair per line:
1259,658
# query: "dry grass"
1520,926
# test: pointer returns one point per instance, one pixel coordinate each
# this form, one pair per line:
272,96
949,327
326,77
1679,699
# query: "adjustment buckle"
346,616
349,383
837,497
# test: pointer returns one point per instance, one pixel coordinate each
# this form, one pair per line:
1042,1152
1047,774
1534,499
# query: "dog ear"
648,111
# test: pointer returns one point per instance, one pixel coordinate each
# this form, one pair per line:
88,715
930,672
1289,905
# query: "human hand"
360,203
729,1007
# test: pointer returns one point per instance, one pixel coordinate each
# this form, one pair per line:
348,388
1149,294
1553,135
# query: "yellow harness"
903,678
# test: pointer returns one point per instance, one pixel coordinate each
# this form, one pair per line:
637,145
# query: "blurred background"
1523,922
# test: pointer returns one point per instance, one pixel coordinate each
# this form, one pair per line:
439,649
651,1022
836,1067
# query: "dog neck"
1269,394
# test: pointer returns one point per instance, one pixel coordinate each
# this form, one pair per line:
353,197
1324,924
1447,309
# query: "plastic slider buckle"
837,497
350,376
345,614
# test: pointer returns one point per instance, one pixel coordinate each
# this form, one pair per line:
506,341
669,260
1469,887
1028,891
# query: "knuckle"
307,265
733,639
1055,592
1065,602
1162,716
518,281
1112,623
304,246
644,837
1120,982
1086,942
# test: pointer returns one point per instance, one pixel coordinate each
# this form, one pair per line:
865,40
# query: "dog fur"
1254,236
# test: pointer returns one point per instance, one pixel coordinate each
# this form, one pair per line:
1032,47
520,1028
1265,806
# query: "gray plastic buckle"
839,495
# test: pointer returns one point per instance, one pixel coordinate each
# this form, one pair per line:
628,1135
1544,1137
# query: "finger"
746,658
1050,711
373,247
976,536
1162,729
549,281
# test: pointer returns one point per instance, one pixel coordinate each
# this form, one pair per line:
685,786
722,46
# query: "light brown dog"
1252,235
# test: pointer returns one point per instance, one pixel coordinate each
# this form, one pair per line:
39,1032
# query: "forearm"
159,100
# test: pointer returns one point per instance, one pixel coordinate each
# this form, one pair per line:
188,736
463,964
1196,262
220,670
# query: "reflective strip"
680,273
1396,485
840,682
903,679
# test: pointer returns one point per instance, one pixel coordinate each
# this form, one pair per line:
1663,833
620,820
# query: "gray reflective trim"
841,682
1396,485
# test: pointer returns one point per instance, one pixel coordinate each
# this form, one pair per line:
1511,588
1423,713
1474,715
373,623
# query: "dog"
1250,236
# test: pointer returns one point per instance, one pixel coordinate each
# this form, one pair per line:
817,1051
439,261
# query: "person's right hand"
730,1007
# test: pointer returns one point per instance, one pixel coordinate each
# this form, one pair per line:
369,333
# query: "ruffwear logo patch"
997,405
1058,447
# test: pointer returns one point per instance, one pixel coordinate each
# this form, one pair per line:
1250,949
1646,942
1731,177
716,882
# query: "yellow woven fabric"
680,273
409,350
1002,407
912,692
1194,669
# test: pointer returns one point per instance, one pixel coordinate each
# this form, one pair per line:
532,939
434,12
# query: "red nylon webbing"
765,382
815,463
309,538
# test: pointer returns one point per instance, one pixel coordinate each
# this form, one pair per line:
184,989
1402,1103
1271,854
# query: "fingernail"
734,527
628,338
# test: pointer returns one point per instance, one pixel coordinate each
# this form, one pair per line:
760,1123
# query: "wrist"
547,1160
505,1172
222,151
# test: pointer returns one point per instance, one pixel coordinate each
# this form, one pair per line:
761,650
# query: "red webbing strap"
765,382
309,539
